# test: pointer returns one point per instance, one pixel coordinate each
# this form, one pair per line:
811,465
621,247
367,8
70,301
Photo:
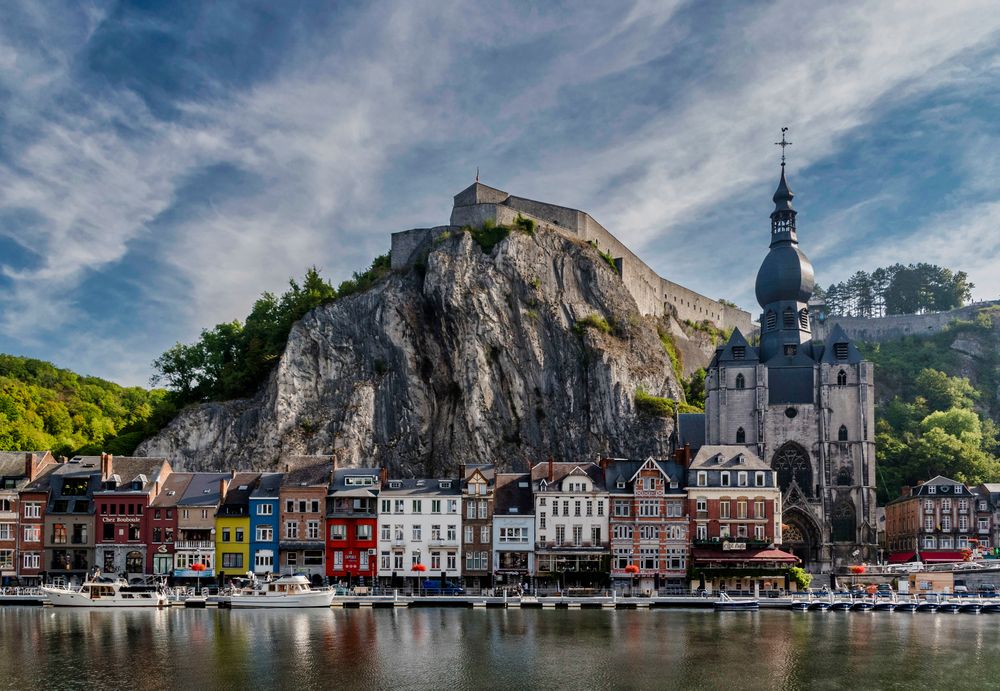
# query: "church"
806,407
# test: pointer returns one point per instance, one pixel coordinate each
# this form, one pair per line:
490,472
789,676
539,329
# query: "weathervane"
477,173
783,143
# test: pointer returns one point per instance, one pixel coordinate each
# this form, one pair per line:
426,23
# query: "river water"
508,649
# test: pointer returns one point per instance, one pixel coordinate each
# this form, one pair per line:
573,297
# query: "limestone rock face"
473,357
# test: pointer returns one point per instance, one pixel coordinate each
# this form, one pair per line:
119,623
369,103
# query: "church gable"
737,349
839,349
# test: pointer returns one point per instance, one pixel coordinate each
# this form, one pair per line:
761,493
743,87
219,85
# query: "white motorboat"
286,591
105,593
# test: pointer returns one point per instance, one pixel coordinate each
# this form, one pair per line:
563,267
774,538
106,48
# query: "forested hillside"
43,407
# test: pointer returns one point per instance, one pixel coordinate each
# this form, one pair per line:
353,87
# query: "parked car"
433,586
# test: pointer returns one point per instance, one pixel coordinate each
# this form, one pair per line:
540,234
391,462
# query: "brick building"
302,497
478,483
932,522
17,470
163,523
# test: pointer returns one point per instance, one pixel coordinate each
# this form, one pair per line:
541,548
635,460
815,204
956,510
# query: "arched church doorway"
800,536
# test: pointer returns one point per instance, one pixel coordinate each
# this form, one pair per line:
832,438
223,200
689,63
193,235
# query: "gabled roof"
736,340
727,457
131,469
421,486
306,471
12,463
486,470
691,430
562,469
339,484
238,494
173,489
204,489
839,336
268,487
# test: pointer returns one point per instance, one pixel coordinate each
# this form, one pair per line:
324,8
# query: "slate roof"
268,487
340,476
714,457
691,430
12,462
306,471
626,469
195,493
561,469
172,490
938,482
420,486
128,469
237,501
509,495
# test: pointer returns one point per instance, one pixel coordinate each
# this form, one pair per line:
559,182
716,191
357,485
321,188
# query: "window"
741,508
758,533
946,504
842,433
702,478
289,506
398,506
590,507
386,533
841,378
519,535
788,318
397,561
453,506
622,507
741,381
701,505
623,532
792,463
225,534
649,507
804,319
946,522
452,561
576,508
468,534
724,478
483,507
452,532
414,557
560,534
724,509
484,534
32,533
758,509
264,559
59,533
931,489
264,509
928,522
239,534
741,478
649,532
739,352
30,560
963,523
578,535
724,530
32,509
7,531
418,506
701,532
363,531
338,531
417,533
741,436
600,507
386,506
541,520
963,505
234,560
265,533
435,506
435,561
649,558
312,531
758,479
291,531
108,533
791,349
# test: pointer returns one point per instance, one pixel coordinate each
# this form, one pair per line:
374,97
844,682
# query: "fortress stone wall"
892,327
653,294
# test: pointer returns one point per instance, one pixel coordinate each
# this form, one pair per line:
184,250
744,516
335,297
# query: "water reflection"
438,648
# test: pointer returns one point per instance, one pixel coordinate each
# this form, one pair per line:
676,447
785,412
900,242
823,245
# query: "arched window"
741,436
845,478
772,319
788,318
792,463
842,433
741,381
841,378
843,522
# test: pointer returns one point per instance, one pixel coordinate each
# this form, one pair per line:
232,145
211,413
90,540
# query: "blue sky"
162,165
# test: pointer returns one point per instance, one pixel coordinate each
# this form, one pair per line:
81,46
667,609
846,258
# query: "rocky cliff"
473,356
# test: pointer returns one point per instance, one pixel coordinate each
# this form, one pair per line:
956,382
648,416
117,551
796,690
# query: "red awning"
941,555
900,557
744,556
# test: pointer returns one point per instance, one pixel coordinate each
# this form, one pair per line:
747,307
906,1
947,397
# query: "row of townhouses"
647,523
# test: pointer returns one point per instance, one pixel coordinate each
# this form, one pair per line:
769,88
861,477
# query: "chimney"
605,462
905,491
383,475
552,469
107,466
223,486
30,466
461,473
919,482
63,459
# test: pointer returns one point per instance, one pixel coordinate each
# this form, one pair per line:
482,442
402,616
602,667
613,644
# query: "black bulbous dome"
785,275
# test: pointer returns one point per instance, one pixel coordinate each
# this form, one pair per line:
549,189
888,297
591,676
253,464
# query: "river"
509,649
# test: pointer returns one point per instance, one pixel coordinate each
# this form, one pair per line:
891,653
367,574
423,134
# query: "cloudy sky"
161,166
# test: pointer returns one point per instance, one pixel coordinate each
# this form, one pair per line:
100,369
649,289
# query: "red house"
22,511
162,523
352,523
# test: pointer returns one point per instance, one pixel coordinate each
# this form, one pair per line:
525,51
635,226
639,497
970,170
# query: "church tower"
805,407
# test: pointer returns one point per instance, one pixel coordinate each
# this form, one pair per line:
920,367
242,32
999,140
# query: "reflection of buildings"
513,529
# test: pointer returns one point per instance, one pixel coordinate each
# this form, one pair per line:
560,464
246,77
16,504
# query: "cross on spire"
783,143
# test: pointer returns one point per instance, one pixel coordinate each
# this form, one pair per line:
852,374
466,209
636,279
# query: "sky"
162,164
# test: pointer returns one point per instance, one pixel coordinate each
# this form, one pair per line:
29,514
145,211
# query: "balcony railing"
194,544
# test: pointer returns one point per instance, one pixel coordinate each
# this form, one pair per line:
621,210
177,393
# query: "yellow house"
232,527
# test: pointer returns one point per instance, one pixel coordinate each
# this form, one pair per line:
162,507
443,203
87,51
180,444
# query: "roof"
488,471
421,486
203,490
754,556
944,487
725,457
510,498
625,470
132,468
306,471
12,462
238,494
172,490
561,469
691,430
268,487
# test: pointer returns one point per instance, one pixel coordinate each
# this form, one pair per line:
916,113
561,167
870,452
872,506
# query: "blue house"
265,514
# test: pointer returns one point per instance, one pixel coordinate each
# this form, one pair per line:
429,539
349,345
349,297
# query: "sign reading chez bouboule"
729,546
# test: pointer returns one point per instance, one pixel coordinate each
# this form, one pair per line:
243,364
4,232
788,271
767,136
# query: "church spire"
783,216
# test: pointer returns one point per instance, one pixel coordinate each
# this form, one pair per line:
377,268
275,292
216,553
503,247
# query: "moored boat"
991,607
949,607
885,606
841,606
927,607
286,591
905,607
970,607
862,606
105,593
800,606
819,606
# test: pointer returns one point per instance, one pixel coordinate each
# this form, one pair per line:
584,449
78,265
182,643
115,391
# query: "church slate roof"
727,354
837,339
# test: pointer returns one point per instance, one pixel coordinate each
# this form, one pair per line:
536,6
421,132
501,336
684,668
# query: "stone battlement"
894,326
653,294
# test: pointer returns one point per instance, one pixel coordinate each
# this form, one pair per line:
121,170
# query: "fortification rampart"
653,294
896,326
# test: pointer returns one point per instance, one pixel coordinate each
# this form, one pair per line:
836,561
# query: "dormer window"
741,459
702,478
620,484
840,351
932,489
395,484
445,484
739,352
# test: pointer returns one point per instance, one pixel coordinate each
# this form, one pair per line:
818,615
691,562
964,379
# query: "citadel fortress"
653,294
